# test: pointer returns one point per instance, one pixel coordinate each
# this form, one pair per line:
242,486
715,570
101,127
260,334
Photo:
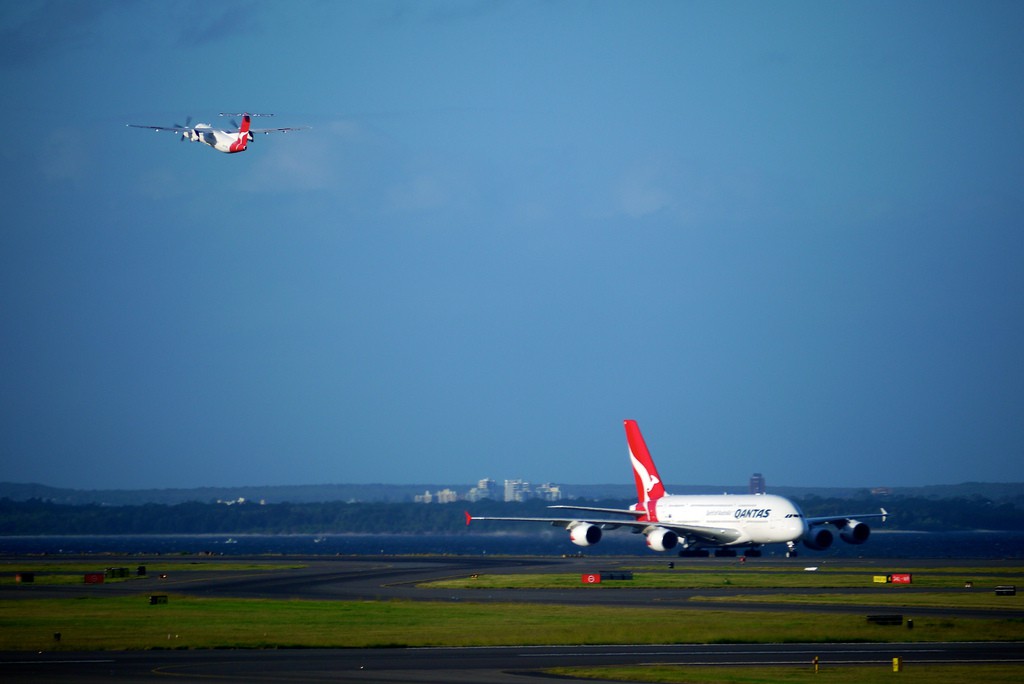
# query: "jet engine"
660,539
819,537
584,534
854,532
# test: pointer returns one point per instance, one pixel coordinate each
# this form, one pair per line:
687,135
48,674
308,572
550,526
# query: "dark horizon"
399,492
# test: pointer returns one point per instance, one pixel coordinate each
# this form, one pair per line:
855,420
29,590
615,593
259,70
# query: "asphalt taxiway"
516,665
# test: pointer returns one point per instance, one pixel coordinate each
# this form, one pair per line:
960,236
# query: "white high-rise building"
485,489
517,490
549,492
446,496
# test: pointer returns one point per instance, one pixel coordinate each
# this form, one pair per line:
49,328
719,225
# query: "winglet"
884,513
469,518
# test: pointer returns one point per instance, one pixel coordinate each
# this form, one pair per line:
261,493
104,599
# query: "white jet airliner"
698,524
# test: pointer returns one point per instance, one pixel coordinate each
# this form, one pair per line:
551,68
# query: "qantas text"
752,513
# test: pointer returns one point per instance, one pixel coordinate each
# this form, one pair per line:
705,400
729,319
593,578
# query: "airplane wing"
562,522
713,535
843,519
278,130
175,129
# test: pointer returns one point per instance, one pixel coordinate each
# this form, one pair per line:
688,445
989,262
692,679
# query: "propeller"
188,124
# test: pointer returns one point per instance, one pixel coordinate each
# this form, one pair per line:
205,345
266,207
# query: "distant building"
485,489
440,496
240,500
881,491
446,496
517,490
757,484
549,492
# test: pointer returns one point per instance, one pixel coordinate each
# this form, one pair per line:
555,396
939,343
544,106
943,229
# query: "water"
904,545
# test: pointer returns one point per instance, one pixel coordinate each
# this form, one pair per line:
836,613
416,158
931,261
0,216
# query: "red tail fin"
243,135
648,482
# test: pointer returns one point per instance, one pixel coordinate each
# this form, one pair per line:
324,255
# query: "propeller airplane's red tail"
243,135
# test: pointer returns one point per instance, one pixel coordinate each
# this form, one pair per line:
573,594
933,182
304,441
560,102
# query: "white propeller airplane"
221,140
699,523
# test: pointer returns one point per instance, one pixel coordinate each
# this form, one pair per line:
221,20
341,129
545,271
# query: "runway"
465,665
389,578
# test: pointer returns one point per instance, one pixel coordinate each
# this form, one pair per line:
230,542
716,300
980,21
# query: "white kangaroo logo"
645,477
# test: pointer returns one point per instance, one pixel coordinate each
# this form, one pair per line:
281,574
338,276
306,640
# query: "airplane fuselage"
758,519
222,141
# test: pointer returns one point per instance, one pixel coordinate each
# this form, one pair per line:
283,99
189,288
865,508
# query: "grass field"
982,600
863,674
130,622
72,572
929,588
188,622
751,576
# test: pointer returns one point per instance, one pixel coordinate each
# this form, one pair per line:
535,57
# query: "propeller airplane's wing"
278,130
172,129
285,129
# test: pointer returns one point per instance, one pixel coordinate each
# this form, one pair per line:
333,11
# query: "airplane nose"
797,527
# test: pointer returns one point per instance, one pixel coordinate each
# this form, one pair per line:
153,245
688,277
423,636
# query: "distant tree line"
38,517
927,514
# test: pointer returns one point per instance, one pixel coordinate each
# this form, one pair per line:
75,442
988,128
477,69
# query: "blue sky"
785,237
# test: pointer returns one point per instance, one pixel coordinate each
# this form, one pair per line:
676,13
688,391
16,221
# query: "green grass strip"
72,572
912,673
187,622
975,600
733,578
